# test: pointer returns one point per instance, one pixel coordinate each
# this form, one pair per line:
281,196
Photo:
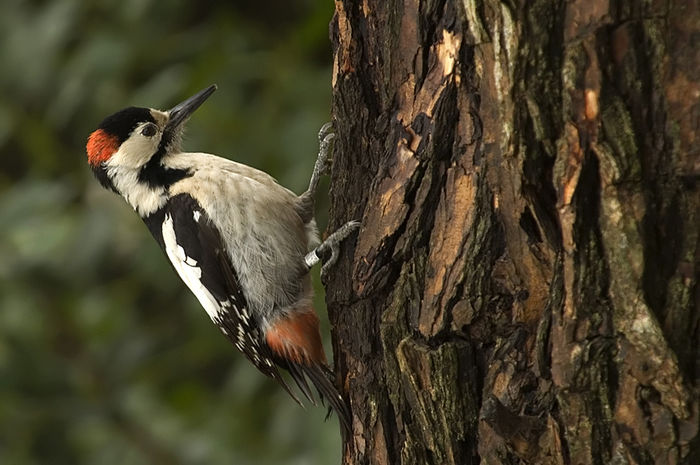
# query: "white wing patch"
187,268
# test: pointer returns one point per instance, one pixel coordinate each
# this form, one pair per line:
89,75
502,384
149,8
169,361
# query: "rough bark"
524,285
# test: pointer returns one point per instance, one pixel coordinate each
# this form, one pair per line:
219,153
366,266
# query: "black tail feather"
297,374
320,376
286,387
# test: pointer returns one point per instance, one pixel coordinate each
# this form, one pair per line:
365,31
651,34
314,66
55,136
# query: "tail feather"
297,375
289,390
295,342
320,376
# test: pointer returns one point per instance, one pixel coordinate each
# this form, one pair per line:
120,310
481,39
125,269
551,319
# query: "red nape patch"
297,337
101,146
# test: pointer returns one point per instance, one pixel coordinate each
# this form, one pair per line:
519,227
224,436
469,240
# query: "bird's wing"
195,249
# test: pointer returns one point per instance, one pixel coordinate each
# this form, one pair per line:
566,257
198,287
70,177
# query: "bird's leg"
329,249
321,167
330,245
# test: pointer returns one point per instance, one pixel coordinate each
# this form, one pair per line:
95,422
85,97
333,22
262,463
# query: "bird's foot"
330,248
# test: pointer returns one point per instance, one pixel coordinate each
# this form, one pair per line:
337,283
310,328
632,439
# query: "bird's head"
132,139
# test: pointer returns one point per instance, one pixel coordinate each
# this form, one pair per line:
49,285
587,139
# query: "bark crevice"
524,285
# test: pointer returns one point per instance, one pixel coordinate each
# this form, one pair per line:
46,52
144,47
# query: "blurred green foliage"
105,357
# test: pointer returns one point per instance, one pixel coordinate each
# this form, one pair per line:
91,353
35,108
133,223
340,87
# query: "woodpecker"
242,243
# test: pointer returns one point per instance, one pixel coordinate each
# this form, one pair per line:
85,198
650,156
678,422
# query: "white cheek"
135,151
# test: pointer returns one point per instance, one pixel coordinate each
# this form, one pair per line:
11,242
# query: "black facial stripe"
156,175
165,141
121,123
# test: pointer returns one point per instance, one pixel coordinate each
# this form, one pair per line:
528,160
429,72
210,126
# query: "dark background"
105,356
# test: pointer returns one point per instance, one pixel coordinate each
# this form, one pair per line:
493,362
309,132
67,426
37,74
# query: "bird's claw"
332,244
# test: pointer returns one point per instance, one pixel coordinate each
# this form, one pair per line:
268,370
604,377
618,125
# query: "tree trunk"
524,285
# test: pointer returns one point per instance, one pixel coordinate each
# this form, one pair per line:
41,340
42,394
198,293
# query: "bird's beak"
182,111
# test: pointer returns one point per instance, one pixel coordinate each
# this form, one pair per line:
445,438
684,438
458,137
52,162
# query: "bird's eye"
149,130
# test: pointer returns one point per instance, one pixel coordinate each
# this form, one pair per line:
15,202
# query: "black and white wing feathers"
196,251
